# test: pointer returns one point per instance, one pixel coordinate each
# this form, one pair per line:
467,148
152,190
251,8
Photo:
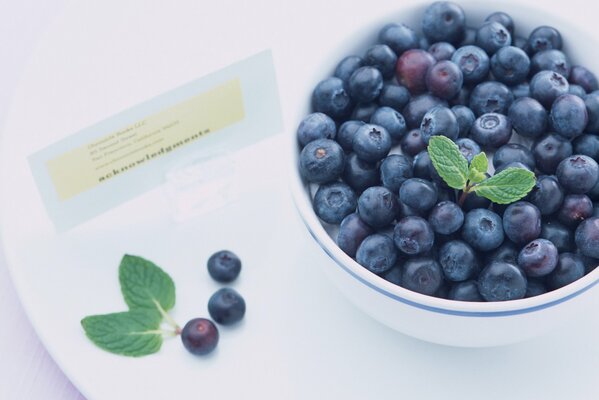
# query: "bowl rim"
303,203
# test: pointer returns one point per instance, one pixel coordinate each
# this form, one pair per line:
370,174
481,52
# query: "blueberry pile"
364,150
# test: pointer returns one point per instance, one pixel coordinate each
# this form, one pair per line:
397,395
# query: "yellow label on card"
137,144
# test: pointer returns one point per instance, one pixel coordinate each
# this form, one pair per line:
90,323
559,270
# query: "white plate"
300,339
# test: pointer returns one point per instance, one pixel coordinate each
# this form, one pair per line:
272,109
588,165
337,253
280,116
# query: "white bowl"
455,323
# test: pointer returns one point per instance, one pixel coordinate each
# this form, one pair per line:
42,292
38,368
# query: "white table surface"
26,370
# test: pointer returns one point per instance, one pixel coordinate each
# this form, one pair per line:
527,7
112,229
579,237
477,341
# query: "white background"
26,371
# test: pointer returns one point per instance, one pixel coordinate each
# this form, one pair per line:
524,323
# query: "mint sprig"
509,185
150,293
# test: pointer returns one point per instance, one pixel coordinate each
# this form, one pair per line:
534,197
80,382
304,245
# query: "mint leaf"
449,162
145,286
478,168
509,185
133,333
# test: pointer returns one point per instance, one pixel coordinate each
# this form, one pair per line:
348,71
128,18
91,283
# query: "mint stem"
167,317
464,194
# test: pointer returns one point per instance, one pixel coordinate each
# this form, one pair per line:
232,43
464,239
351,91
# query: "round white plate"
301,339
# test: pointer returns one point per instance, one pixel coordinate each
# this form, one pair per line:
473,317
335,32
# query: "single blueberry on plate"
399,37
578,173
422,275
378,206
199,336
510,65
569,268
492,36
473,62
522,222
331,98
544,38
444,79
538,258
347,66
446,217
574,209
482,229
587,237
568,116
547,194
365,84
334,201
528,116
444,21
491,97
458,260
413,235
395,170
418,193
377,253
439,121
411,69
391,120
226,306
549,151
558,234
322,161
352,232
465,118
382,58
394,96
316,126
347,131
224,266
372,143
546,86
501,281
465,291
491,130
412,143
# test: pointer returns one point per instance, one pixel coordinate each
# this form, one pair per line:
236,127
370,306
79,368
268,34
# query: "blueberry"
418,193
392,121
544,38
482,229
330,97
468,147
407,211
547,194
590,263
513,152
465,291
581,76
474,63
441,50
347,131
423,43
528,116
558,234
372,143
549,151
458,260
546,86
591,102
444,80
347,66
492,36
465,118
577,90
377,253
503,18
474,201
446,217
439,121
551,60
412,143
422,165
395,170
393,275
491,97
365,84
352,232
575,208
394,96
521,43
199,336
510,65
513,164
224,266
377,206
522,222
594,193
569,269
413,235
469,37
538,258
587,237
568,116
316,126
411,69
501,281
595,210
418,106
364,111
399,37
578,173
535,287
322,161
444,21
226,306
507,252
382,58
422,275
462,99
521,90
491,130
334,201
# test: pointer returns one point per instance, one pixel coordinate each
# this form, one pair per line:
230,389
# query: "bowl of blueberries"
446,162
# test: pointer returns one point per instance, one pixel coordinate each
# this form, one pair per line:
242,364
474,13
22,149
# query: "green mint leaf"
145,286
478,168
449,162
133,333
509,185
